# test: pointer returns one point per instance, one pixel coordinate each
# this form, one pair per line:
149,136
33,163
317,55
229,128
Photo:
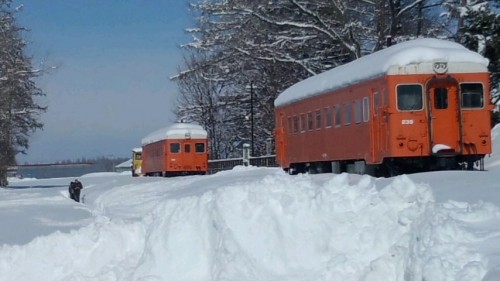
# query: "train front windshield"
410,97
199,147
472,95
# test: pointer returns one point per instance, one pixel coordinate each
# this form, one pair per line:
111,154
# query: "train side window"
318,119
410,97
310,121
329,115
376,101
347,110
295,124
472,95
338,115
187,148
199,147
440,98
366,109
357,111
175,147
302,122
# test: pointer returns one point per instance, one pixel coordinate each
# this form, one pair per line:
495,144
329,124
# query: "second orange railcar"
180,149
417,106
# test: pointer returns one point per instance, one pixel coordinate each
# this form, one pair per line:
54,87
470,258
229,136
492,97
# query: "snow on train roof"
176,131
412,52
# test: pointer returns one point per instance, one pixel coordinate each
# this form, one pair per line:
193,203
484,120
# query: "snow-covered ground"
253,224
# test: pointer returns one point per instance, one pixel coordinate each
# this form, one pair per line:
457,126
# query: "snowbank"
262,224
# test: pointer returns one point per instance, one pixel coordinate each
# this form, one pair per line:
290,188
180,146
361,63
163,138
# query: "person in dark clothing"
71,190
74,190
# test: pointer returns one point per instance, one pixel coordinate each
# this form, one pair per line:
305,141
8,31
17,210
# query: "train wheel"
372,170
291,171
390,169
297,168
336,167
470,165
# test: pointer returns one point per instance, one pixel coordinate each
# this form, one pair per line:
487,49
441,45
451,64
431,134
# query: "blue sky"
111,86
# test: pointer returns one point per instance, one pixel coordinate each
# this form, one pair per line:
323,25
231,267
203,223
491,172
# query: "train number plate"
407,122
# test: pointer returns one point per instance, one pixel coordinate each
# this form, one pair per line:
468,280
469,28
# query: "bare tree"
201,100
478,28
254,49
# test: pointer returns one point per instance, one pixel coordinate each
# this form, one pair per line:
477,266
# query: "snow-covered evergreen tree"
19,110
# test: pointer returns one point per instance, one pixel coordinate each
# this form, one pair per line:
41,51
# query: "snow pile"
282,228
492,163
447,244
259,224
103,250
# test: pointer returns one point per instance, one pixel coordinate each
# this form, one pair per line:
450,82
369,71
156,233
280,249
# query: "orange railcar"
180,149
416,106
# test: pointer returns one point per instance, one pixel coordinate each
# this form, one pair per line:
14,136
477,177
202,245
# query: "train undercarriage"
391,166
174,174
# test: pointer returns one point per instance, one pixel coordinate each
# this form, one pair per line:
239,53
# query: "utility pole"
251,118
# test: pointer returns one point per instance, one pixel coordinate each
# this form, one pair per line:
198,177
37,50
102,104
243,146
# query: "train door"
375,126
379,128
444,116
280,139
